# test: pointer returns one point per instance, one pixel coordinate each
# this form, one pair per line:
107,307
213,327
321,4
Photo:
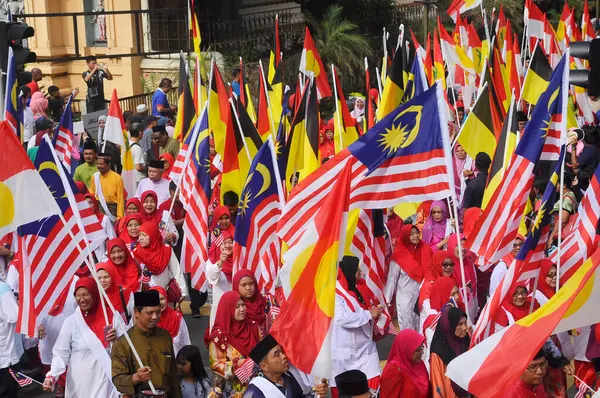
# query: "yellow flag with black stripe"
477,132
393,90
537,78
507,142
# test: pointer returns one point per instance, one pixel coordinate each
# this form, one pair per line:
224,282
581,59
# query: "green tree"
338,40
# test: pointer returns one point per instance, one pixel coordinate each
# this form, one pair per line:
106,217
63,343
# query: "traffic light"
11,36
589,79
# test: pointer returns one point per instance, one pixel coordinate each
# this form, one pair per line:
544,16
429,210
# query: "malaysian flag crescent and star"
403,158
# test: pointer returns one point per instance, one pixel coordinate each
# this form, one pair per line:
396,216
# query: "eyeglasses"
437,212
551,276
541,366
520,294
448,264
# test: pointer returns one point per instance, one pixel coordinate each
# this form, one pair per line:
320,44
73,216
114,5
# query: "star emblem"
539,217
245,202
393,138
545,128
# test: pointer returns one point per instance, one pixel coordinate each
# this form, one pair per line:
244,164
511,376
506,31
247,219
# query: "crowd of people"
118,327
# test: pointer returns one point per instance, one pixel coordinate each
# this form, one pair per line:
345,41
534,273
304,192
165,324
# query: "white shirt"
28,124
138,158
9,311
497,274
220,285
161,189
359,351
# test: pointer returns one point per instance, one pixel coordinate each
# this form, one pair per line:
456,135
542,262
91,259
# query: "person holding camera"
94,78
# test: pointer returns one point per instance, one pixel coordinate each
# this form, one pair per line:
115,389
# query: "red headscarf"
94,318
157,255
167,156
124,235
405,344
120,224
413,259
255,306
170,320
95,205
517,312
436,268
153,217
543,286
128,270
219,212
440,292
243,336
470,218
214,255
116,282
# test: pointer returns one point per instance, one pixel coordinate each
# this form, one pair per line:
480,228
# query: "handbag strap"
124,303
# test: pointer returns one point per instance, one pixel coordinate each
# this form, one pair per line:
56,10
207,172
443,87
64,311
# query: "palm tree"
338,40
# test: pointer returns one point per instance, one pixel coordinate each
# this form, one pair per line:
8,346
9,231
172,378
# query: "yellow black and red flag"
477,132
218,106
194,27
263,118
538,75
186,111
275,55
346,131
393,90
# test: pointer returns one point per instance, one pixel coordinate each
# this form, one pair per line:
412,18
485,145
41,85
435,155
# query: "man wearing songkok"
353,384
274,380
155,182
155,348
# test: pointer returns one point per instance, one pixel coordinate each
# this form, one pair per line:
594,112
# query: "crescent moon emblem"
266,176
52,166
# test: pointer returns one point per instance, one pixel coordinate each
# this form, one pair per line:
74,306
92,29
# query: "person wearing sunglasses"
530,383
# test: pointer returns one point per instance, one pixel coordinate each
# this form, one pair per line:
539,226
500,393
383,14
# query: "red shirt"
33,86
521,390
394,384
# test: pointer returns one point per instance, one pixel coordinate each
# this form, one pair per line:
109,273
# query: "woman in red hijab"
149,210
244,282
405,374
132,206
410,261
120,297
120,258
219,269
157,259
516,305
172,321
169,161
80,349
229,343
441,265
326,144
131,230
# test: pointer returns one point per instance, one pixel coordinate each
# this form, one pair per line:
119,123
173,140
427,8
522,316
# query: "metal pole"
426,19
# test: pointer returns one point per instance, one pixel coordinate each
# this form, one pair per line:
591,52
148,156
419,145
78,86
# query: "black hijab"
445,343
349,266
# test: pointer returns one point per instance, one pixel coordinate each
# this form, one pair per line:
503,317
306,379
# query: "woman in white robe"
82,347
219,270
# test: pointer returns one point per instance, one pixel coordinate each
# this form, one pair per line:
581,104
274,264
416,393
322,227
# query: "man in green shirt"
85,171
162,143
155,347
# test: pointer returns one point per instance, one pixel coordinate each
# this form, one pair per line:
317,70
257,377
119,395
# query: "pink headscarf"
75,149
433,228
38,105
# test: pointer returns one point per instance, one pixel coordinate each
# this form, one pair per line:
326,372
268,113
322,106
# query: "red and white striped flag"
261,200
192,173
49,255
403,158
492,238
579,243
63,136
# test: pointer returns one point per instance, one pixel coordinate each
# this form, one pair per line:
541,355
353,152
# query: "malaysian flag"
579,244
12,108
49,255
526,264
492,238
403,158
20,378
63,136
192,173
256,240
